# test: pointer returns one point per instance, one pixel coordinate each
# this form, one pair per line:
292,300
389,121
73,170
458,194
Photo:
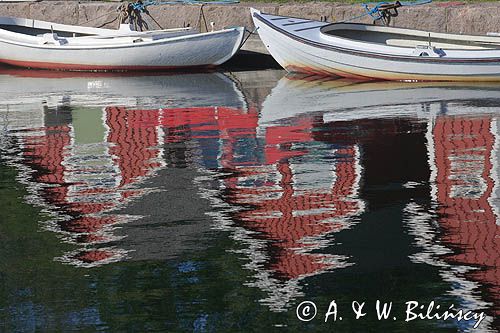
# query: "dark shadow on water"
250,61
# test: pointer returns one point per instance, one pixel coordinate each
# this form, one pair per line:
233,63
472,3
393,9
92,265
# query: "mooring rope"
202,16
250,33
101,16
141,5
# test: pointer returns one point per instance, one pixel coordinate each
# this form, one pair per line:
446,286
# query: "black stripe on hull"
295,23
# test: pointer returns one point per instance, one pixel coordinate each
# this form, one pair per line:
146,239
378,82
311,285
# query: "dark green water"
219,202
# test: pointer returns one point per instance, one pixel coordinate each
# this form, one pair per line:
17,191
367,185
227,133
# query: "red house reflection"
84,186
270,182
279,208
285,211
465,159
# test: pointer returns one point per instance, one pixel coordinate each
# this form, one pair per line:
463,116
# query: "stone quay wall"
453,17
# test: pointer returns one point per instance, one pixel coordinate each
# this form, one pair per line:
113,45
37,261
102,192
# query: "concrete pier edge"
453,17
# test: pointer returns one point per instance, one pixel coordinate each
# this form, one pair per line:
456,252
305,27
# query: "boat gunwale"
127,44
362,53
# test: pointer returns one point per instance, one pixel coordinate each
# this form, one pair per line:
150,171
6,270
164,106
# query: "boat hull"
320,56
126,53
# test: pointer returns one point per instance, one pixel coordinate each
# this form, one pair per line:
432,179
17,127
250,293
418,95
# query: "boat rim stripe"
309,28
295,23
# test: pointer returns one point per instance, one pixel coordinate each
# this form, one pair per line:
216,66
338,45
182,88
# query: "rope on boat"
250,33
384,11
133,13
200,17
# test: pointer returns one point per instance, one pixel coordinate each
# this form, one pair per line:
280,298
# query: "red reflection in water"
135,139
464,151
93,256
76,188
135,135
289,216
294,220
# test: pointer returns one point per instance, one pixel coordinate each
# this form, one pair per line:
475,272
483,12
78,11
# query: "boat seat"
415,43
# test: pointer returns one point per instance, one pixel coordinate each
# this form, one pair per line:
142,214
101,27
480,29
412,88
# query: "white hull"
299,45
119,51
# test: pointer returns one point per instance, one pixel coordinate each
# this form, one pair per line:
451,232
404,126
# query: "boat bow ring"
428,51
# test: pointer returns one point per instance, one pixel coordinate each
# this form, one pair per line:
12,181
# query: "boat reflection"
21,88
344,99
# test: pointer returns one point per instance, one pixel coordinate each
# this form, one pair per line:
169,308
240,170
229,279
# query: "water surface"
220,201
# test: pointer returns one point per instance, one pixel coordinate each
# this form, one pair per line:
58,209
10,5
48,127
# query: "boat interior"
35,28
38,31
409,38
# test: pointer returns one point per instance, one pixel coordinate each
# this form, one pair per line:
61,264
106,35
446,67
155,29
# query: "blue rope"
374,12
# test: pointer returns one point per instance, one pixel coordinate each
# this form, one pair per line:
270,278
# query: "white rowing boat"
368,51
46,45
